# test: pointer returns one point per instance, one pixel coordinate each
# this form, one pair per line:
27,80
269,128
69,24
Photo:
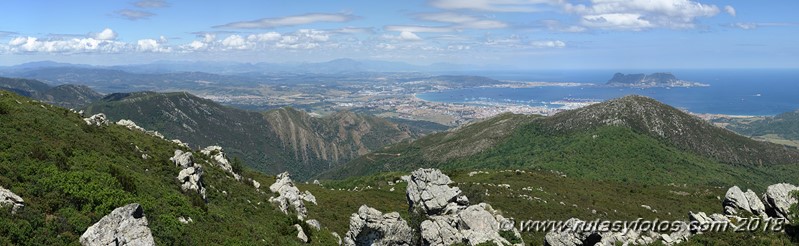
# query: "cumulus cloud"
236,42
548,44
295,20
152,45
106,34
72,45
496,6
730,10
134,14
151,3
641,14
264,37
303,39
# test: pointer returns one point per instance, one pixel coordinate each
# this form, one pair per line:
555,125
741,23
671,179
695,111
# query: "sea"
762,92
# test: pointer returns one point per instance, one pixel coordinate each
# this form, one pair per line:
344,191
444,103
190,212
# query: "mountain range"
632,138
68,95
621,159
274,141
337,66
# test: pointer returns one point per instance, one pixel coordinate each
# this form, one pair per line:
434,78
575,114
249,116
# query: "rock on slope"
124,226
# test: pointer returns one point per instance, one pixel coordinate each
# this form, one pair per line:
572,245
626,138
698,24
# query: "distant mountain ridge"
651,80
633,138
275,141
335,66
66,95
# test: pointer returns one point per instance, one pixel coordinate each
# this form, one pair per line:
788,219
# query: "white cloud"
409,36
730,10
462,21
641,14
548,44
71,45
134,14
209,37
295,20
418,29
152,45
106,34
496,5
197,45
303,39
151,3
236,42
745,26
264,37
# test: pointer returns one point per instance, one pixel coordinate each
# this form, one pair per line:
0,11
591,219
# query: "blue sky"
519,34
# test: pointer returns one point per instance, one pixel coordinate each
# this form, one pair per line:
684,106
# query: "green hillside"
67,95
279,140
628,139
71,174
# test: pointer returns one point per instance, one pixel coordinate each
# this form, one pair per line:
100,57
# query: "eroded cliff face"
335,138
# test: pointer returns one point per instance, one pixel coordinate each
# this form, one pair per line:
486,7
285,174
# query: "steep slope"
275,141
71,174
628,139
68,95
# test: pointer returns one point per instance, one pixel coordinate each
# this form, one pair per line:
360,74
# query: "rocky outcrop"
301,234
191,179
473,225
96,120
190,175
573,232
736,201
182,159
123,226
8,198
428,190
779,199
288,196
451,219
371,227
219,158
308,197
132,126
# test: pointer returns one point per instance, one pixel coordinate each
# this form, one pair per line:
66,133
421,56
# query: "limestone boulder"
125,225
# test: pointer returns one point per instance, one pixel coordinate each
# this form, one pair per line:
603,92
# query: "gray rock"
96,120
8,198
308,197
371,227
314,224
288,196
736,201
123,226
428,190
182,159
337,237
756,206
778,200
219,158
256,184
301,234
191,179
571,235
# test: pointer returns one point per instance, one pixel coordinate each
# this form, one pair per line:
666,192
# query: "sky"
513,34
